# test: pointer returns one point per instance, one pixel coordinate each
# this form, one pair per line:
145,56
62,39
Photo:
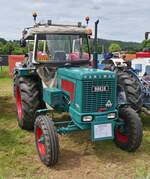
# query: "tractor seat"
60,56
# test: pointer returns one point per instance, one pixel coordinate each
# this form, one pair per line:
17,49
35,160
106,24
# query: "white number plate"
102,130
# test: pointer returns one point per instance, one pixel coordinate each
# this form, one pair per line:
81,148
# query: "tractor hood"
86,73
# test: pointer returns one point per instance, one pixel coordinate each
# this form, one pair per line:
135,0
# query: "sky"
125,20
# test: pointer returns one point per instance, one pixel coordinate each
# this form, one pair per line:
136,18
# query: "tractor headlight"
111,115
87,118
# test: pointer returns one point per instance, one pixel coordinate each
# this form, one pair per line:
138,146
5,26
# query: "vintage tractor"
55,77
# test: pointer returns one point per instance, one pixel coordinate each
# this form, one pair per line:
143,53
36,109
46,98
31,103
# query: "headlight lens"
87,118
111,115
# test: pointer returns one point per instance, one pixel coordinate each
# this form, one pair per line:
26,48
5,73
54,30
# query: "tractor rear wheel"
46,138
129,90
129,136
28,100
14,84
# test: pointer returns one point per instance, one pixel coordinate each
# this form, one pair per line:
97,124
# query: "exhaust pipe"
95,55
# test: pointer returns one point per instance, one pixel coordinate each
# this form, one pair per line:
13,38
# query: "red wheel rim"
19,103
40,141
120,136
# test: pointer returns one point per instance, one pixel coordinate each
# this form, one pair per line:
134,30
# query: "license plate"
102,131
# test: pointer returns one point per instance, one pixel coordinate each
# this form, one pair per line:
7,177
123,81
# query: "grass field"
80,158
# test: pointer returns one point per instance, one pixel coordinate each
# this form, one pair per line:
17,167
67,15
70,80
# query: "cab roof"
55,29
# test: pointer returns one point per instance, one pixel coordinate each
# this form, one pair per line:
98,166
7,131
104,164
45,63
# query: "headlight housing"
87,118
111,115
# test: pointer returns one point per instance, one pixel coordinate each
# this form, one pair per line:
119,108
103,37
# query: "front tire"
129,136
46,138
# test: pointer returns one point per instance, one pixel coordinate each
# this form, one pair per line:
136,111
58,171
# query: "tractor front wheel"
129,136
46,138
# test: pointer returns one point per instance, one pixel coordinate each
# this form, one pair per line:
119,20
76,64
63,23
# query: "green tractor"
55,77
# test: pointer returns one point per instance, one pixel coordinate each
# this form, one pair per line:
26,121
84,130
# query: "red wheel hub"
19,103
40,141
120,136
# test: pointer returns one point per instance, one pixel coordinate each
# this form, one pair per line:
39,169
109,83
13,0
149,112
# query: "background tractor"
55,77
133,78
129,90
141,71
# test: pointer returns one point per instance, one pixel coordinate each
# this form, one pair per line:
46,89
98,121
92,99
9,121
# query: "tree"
99,49
146,43
8,48
1,47
3,41
19,51
114,47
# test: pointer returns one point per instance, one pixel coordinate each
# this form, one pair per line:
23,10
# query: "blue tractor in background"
141,71
129,89
132,88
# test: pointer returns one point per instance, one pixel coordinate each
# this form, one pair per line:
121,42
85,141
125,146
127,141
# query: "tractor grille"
94,101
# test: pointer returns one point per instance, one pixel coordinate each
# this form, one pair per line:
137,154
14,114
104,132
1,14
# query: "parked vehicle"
134,83
129,89
141,67
55,77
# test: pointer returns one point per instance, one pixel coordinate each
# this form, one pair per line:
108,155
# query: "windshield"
63,48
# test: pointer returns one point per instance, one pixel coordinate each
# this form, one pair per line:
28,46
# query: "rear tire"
131,87
46,138
28,100
129,136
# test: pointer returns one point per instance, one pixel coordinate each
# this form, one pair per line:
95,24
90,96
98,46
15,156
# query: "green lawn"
80,158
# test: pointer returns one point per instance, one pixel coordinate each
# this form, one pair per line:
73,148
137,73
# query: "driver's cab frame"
47,68
74,31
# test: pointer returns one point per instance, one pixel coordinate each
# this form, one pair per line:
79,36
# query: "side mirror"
22,43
